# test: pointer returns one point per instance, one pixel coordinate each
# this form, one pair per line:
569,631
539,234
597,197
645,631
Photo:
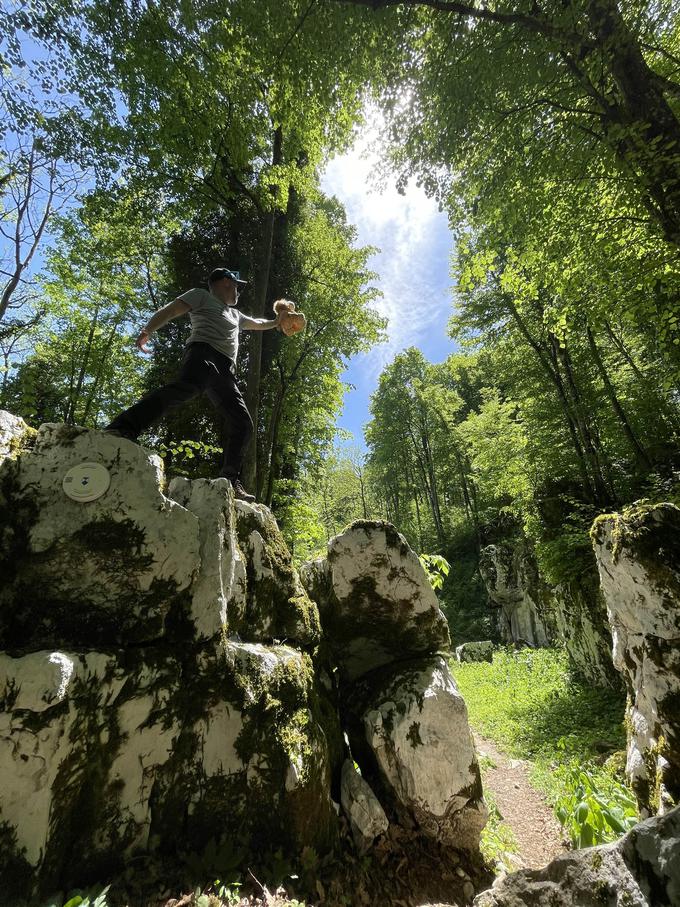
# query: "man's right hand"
142,340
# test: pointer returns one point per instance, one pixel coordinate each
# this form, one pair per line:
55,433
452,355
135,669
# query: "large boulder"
475,651
14,433
638,556
375,601
533,612
106,755
133,719
640,870
166,693
411,735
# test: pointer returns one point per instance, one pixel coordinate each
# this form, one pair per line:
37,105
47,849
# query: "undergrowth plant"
437,569
595,810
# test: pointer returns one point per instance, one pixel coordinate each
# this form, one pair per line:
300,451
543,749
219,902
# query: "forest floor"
536,835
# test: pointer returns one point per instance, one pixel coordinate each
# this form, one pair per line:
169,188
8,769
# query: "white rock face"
12,430
147,705
512,582
103,571
581,620
475,651
219,590
366,816
108,752
416,725
375,600
38,723
126,742
640,870
638,555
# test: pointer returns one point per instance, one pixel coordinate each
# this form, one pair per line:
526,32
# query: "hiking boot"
240,493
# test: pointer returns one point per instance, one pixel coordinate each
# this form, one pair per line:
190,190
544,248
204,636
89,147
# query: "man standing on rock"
208,366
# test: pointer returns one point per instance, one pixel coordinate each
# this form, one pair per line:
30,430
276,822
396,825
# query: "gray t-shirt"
215,323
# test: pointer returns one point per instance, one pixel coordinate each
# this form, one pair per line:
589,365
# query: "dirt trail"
538,833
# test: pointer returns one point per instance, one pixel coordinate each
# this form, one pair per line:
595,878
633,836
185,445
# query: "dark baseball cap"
221,273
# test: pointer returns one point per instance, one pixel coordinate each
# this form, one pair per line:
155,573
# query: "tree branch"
535,24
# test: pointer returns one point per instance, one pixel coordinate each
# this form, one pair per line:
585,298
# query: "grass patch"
530,705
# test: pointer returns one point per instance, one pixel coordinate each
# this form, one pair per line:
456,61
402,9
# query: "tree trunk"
259,304
604,495
75,393
548,361
650,140
639,451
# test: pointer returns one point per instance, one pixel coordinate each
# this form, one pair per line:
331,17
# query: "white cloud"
414,242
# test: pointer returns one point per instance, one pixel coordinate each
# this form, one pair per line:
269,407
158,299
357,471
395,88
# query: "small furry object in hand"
291,321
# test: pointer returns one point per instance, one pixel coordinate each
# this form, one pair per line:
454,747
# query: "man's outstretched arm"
158,319
246,323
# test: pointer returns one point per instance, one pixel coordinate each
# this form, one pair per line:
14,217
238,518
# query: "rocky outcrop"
640,870
129,719
582,625
375,602
165,687
638,556
407,723
366,816
512,582
536,614
416,734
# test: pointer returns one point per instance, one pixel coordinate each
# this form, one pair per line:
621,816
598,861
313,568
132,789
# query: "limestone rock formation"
13,430
532,612
375,601
415,725
277,605
128,720
366,816
638,555
110,571
640,870
582,625
165,688
407,723
512,582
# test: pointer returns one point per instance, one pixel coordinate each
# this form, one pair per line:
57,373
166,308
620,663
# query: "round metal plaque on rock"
86,482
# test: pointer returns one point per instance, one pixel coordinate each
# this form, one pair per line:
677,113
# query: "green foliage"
221,858
437,569
595,810
85,899
182,452
327,499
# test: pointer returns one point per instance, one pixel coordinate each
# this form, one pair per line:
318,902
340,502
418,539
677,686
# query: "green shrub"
595,810
437,569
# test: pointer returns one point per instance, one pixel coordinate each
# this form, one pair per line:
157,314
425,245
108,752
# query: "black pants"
204,370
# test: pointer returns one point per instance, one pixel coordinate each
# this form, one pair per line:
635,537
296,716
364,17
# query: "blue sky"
413,266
